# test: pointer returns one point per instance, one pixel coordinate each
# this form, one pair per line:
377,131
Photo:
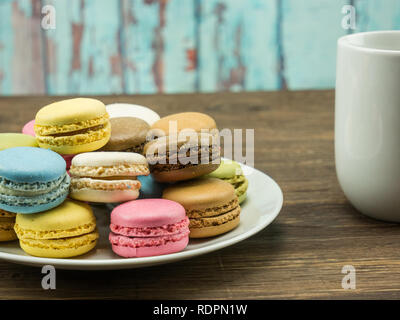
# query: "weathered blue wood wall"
149,46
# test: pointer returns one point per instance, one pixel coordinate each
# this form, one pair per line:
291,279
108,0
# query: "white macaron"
117,110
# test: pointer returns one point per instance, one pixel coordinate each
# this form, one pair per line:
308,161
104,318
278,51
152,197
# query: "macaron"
231,171
211,205
73,126
107,177
184,146
68,230
32,180
7,221
148,227
184,158
127,134
11,140
177,122
28,129
117,110
150,188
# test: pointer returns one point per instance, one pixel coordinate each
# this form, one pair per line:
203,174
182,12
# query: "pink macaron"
148,227
29,129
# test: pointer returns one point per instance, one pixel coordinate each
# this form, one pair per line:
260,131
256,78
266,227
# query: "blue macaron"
150,188
32,180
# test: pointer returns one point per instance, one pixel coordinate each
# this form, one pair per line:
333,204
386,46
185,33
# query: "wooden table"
300,255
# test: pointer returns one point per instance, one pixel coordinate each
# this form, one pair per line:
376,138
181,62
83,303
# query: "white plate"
264,201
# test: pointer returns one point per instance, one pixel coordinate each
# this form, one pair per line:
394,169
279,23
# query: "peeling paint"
77,33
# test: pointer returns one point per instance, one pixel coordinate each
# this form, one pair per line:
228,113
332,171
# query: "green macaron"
231,172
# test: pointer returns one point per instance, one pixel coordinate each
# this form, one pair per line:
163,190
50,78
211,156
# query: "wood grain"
300,255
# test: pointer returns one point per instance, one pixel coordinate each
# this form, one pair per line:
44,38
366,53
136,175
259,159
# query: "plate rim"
102,264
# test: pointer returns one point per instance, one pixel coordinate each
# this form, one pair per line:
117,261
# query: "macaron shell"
25,164
241,188
70,219
146,213
29,128
212,231
167,248
70,111
11,140
117,110
60,248
201,194
242,197
102,196
127,132
227,169
7,232
185,173
7,235
96,159
184,120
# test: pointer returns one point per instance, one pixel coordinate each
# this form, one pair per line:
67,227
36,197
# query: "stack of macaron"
183,150
91,153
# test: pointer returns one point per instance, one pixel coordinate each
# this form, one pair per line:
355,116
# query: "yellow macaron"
7,220
73,126
66,231
11,140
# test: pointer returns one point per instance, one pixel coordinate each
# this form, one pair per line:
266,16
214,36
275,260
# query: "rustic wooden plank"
299,256
237,45
83,55
377,15
179,35
21,70
142,46
6,47
259,45
310,29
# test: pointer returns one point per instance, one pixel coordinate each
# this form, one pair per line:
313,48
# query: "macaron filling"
168,229
24,188
14,198
52,130
76,242
215,220
214,211
131,242
172,160
106,184
82,136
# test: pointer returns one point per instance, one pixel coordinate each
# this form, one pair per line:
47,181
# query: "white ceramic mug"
367,122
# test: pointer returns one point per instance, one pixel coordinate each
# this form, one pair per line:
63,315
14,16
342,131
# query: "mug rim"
344,41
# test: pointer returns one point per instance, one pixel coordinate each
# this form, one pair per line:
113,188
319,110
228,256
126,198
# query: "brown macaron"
127,134
210,203
7,222
178,122
186,147
173,159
